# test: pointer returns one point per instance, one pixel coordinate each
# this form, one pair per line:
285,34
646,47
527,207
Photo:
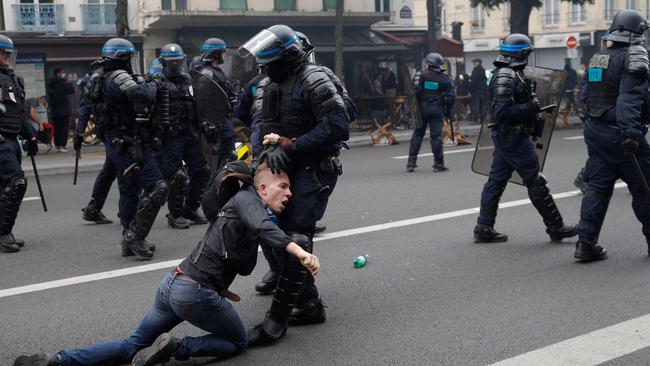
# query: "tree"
520,10
121,18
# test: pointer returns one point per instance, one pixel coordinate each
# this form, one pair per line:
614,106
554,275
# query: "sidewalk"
92,157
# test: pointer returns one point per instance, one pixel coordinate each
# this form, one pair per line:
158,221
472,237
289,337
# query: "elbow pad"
636,60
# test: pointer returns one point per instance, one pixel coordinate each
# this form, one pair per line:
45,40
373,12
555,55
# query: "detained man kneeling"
197,290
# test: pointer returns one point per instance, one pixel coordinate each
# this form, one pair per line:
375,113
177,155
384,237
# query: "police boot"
562,232
319,228
312,312
126,252
177,222
410,166
580,182
487,234
38,359
266,333
8,244
268,283
439,168
160,351
138,247
588,251
93,214
194,217
540,196
648,241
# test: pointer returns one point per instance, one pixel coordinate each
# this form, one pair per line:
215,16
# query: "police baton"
77,156
639,172
451,129
38,183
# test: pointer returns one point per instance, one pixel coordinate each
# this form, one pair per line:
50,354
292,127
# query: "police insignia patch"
595,75
431,85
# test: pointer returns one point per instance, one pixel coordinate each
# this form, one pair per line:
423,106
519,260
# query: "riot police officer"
300,115
244,104
120,101
180,129
12,124
617,106
513,110
107,175
435,95
212,55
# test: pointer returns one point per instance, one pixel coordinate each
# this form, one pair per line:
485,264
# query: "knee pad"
16,188
538,187
303,240
158,193
178,180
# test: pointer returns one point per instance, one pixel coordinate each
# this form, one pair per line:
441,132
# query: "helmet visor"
265,46
174,67
135,63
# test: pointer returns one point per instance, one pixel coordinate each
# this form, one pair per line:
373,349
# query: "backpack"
229,180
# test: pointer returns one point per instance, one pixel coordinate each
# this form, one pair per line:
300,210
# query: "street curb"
62,169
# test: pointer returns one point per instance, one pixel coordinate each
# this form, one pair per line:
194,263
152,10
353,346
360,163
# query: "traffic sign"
571,42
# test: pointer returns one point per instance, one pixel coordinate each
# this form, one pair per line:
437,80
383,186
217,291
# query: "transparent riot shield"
549,89
411,99
213,106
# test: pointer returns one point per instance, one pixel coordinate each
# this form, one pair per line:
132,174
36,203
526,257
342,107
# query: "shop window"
233,5
284,5
329,4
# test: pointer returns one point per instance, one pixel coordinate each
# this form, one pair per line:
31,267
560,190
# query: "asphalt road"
429,296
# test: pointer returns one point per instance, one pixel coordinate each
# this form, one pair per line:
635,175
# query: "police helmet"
628,26
307,47
278,42
6,44
155,67
118,49
434,61
173,59
514,50
213,49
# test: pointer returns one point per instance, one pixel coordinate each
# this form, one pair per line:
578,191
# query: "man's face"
476,63
275,191
41,100
5,58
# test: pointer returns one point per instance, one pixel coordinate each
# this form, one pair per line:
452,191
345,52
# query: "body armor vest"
113,112
433,86
13,97
279,112
182,105
602,89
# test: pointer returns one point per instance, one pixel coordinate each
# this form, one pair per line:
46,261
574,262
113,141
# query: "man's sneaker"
159,352
8,244
268,283
38,359
410,167
319,228
487,234
257,337
439,168
61,149
565,231
94,215
312,312
195,217
589,251
178,222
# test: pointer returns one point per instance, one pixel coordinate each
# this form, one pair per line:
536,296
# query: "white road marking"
337,234
573,138
589,349
431,154
35,198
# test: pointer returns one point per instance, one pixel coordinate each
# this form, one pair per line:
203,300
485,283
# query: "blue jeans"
176,301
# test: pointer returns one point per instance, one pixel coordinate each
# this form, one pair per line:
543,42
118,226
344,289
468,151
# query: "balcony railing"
98,18
49,18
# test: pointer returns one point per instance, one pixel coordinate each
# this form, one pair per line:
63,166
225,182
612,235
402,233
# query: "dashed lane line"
431,154
573,138
35,198
338,234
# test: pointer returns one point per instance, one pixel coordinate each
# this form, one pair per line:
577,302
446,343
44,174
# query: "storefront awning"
447,47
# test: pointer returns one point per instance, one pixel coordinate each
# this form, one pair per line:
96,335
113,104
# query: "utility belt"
132,146
331,165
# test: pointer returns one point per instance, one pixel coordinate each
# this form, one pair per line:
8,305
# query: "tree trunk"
431,26
519,15
122,18
338,36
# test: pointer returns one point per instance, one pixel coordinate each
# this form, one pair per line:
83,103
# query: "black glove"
77,141
211,132
630,146
31,147
534,105
275,156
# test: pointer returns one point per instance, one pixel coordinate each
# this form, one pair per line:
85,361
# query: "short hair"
57,71
261,174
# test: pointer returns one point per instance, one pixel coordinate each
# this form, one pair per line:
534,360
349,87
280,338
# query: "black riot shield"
549,89
411,99
212,110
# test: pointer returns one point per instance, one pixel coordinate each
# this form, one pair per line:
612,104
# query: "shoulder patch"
601,61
